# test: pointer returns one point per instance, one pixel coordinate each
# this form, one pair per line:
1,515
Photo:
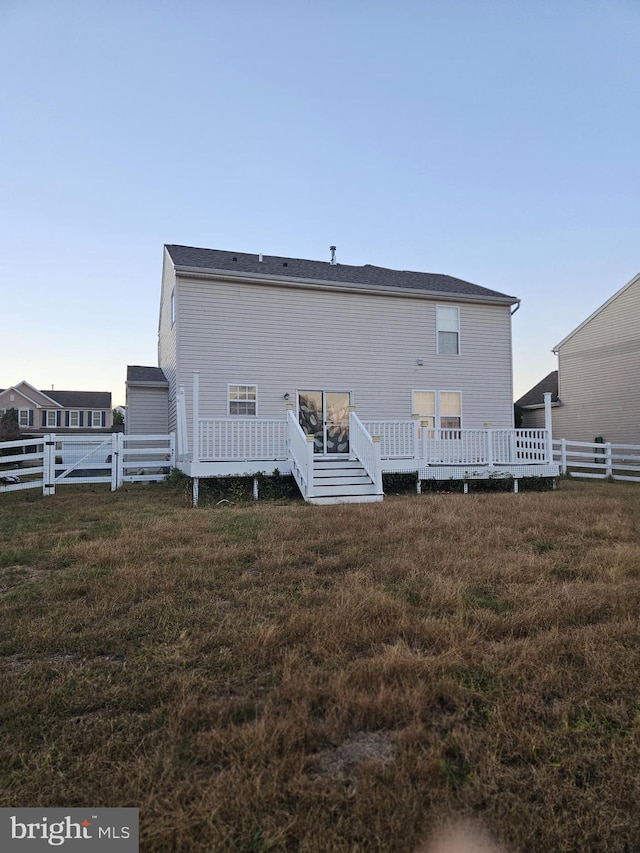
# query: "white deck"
247,446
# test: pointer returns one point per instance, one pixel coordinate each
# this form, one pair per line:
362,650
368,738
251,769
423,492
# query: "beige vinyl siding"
599,374
167,334
147,410
533,419
284,339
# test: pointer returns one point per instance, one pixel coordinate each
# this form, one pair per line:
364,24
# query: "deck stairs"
341,480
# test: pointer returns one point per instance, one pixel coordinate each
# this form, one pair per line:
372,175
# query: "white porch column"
195,436
548,425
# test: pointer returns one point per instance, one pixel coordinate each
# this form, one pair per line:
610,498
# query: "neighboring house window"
74,419
438,409
95,419
448,329
243,399
173,306
23,417
51,418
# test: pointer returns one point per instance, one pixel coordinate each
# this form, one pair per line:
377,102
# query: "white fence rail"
51,460
598,461
240,439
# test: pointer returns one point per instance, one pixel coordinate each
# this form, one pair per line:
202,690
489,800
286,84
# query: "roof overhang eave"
355,287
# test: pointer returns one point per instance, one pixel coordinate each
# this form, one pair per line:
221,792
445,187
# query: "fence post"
563,455
49,464
115,461
172,450
607,459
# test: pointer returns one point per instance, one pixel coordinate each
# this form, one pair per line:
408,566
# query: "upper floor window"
23,417
52,419
95,419
243,399
448,329
74,419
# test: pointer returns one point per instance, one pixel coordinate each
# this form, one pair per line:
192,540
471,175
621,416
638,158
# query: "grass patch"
274,676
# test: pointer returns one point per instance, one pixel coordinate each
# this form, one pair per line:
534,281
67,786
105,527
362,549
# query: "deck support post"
255,488
465,488
418,486
195,490
515,487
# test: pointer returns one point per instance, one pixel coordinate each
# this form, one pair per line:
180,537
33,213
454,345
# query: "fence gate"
54,459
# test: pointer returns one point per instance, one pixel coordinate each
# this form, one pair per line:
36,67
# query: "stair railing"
366,449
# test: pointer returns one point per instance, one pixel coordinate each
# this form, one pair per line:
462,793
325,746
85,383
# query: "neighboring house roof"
634,280
82,399
534,398
187,258
145,375
69,399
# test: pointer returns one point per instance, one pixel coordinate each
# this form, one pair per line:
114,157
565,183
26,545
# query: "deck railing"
242,439
301,454
366,448
252,439
397,438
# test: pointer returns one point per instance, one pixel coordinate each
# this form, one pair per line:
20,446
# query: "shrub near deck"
286,677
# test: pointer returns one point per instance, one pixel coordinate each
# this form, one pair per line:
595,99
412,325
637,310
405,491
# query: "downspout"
516,308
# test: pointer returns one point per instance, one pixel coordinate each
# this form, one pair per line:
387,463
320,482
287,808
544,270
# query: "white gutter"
346,287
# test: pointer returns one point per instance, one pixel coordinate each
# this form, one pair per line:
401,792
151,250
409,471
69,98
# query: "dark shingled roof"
535,397
136,373
81,399
368,275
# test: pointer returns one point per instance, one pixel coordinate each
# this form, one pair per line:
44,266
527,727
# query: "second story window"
23,418
74,419
51,418
448,329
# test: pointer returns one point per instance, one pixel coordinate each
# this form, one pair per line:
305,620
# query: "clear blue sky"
493,140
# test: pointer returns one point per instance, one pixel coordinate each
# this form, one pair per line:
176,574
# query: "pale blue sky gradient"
493,140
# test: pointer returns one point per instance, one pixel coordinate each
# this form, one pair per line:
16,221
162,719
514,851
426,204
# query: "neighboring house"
252,347
57,411
598,377
530,408
147,408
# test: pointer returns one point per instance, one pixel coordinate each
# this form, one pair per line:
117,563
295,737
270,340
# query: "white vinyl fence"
50,460
598,461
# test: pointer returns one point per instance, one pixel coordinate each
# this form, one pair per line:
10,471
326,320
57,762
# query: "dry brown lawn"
280,677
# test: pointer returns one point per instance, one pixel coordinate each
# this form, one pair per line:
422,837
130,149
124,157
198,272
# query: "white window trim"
22,412
437,415
438,330
91,416
52,415
71,424
247,385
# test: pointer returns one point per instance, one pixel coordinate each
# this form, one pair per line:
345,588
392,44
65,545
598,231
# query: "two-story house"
596,389
253,346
